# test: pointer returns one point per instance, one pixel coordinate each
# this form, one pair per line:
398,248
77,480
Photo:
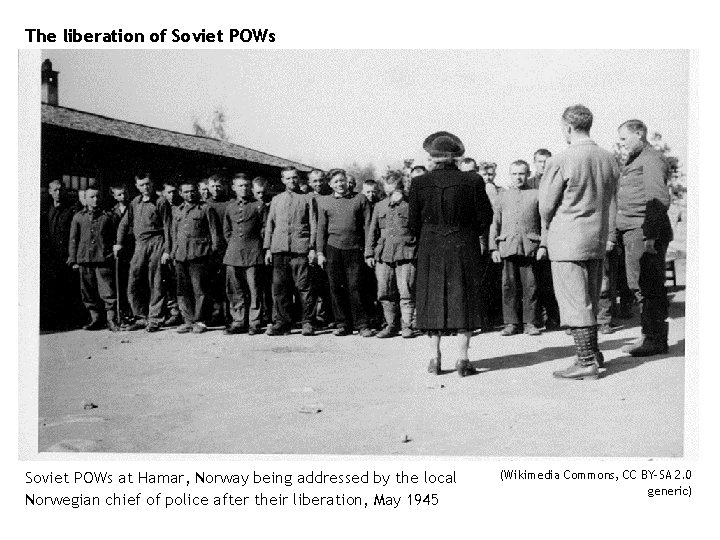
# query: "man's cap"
444,144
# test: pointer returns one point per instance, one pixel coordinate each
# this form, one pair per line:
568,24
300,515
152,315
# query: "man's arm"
73,239
216,234
270,225
657,197
372,234
496,225
551,193
227,225
322,225
125,224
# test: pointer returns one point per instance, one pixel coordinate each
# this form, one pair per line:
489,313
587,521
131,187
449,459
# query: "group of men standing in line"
327,254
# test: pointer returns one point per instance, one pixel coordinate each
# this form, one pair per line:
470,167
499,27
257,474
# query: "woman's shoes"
434,366
464,368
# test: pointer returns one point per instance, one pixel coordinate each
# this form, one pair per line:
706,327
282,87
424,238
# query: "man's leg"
338,288
607,304
654,303
387,295
577,289
105,277
510,296
169,279
90,297
282,291
354,263
235,294
405,279
529,291
137,280
255,306
184,294
199,279
154,277
300,267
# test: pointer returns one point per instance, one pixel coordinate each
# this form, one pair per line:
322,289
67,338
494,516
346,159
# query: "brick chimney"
49,80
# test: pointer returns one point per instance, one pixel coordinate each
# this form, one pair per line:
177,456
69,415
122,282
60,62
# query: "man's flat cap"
444,144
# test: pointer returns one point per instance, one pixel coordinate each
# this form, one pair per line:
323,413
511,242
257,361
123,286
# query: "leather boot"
111,317
96,323
390,311
650,346
579,371
586,363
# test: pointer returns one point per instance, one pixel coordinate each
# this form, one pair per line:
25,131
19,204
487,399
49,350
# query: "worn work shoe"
366,332
434,366
276,330
551,324
140,324
510,330
233,329
184,328
152,327
254,330
532,330
464,368
606,329
341,331
408,333
634,345
578,372
387,332
173,320
649,347
95,324
308,330
199,328
113,326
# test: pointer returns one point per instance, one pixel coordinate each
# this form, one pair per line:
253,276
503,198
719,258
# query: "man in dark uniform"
62,291
546,293
290,234
318,276
122,202
243,227
149,216
260,192
449,211
171,194
218,199
92,234
196,236
644,232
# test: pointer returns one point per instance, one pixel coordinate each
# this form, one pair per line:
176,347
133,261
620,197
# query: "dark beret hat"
444,144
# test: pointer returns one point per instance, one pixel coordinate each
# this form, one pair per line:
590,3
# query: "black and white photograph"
475,253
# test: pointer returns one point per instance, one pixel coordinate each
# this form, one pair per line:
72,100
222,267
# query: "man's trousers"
396,281
145,290
577,289
519,291
344,267
193,294
244,293
97,288
291,271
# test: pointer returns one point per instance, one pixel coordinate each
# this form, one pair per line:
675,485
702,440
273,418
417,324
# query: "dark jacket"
342,221
449,210
389,238
243,228
59,219
291,224
516,226
147,219
643,198
92,235
196,231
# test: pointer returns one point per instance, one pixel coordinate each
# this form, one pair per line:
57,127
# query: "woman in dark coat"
449,211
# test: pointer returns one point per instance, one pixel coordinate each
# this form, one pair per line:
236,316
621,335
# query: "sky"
329,108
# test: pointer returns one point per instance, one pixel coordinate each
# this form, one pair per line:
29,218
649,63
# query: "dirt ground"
212,393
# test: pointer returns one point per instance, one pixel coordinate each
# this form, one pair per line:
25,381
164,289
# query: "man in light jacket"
575,198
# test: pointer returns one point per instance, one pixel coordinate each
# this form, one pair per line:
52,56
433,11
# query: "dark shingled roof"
112,127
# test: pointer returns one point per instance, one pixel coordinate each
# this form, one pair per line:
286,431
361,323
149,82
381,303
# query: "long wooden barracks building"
82,148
